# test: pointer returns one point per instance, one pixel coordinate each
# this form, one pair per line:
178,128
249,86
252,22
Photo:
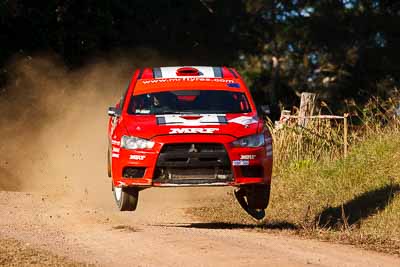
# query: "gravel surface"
62,231
17,253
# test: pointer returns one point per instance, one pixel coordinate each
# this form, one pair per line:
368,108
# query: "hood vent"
187,71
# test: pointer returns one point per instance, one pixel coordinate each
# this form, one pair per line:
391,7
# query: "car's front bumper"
232,166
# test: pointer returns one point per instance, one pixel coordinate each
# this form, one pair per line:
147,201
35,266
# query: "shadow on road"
357,209
223,225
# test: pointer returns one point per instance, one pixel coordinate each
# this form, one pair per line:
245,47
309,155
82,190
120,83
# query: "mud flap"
240,195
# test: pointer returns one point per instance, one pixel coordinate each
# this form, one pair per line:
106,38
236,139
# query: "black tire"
258,196
126,198
254,199
108,163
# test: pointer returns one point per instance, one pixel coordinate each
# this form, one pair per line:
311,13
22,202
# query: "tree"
339,49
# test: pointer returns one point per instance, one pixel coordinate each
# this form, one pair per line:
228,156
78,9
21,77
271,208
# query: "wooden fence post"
345,130
307,104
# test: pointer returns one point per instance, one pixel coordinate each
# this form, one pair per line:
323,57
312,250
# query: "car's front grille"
193,155
197,147
193,163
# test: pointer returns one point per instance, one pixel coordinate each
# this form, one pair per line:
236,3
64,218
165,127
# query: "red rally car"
189,126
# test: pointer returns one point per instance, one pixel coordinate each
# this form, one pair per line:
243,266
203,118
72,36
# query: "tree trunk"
275,79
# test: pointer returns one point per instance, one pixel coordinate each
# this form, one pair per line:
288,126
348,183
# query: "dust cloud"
53,123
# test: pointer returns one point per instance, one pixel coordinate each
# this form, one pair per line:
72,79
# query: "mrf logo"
193,130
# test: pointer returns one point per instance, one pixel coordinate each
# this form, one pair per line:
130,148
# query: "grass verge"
355,200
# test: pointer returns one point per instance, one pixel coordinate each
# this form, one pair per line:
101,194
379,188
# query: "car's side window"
123,98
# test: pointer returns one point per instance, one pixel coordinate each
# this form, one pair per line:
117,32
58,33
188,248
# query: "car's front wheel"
258,196
126,198
254,199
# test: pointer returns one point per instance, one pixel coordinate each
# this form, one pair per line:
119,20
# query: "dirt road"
159,234
55,145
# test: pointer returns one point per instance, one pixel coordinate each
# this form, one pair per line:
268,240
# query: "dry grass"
318,193
321,140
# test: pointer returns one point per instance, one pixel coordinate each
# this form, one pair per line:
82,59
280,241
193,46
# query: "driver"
164,101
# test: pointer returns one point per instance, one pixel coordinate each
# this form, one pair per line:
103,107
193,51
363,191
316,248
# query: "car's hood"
149,126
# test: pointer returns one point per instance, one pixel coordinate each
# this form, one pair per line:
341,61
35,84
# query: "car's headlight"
256,140
131,142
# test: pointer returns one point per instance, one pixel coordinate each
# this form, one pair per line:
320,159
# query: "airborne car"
189,126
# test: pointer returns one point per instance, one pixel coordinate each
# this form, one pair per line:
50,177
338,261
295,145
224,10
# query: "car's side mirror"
114,112
265,110
270,111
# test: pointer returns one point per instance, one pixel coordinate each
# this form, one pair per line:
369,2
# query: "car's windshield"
189,101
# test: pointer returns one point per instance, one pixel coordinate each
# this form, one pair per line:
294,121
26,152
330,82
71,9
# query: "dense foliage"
339,48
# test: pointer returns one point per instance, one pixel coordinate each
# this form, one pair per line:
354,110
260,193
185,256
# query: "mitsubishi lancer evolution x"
189,126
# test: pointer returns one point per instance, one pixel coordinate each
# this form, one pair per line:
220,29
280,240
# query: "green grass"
353,200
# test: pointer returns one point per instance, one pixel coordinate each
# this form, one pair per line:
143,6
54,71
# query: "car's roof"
188,77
